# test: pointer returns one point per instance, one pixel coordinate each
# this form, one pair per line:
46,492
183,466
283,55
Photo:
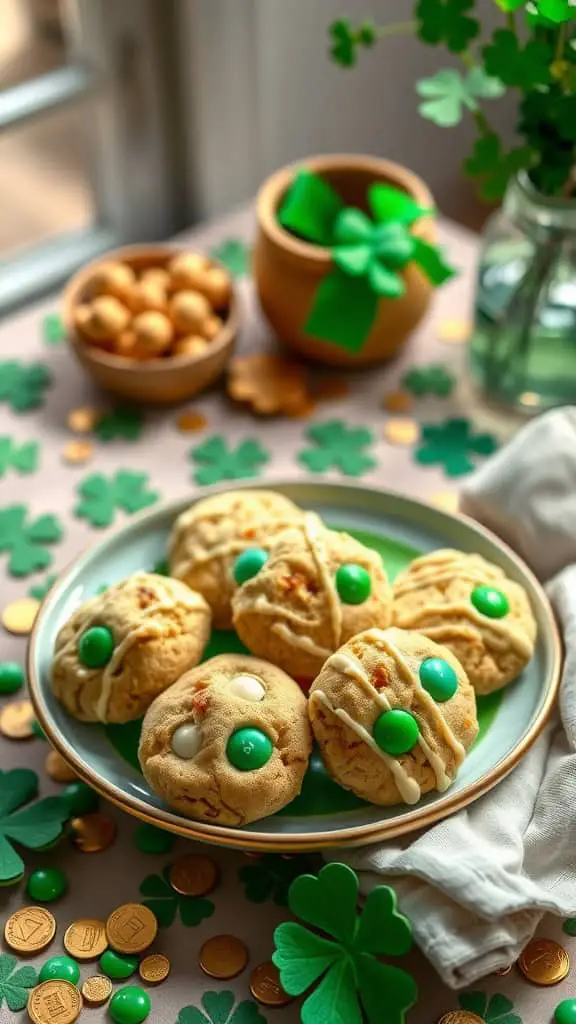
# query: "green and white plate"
324,814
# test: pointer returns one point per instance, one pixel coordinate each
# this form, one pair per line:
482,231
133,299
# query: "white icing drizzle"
407,786
515,637
199,555
314,533
298,640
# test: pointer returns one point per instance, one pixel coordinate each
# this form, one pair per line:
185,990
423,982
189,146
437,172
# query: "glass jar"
523,348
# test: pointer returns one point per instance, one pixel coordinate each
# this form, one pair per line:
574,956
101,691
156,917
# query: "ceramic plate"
324,814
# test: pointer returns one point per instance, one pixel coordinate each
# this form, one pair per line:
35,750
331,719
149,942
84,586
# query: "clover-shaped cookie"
269,384
352,980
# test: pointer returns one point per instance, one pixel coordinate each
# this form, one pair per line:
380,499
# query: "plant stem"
511,21
560,43
396,28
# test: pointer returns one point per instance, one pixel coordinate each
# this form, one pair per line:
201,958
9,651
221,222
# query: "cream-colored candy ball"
112,278
157,276
211,327
191,345
189,310
153,333
147,295
107,318
187,269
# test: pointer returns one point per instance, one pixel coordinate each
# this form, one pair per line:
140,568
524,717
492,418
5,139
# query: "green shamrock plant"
22,458
15,984
22,385
557,11
234,254
435,379
270,878
493,167
447,21
165,902
338,446
525,67
25,541
494,1010
34,826
448,93
217,461
101,496
452,444
352,981
345,40
39,590
123,421
221,1008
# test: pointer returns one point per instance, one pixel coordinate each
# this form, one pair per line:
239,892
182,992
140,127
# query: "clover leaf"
557,11
494,1010
217,460
447,21
22,458
101,496
270,878
494,167
22,385
165,902
524,67
351,980
219,1008
345,40
25,540
33,826
15,984
448,93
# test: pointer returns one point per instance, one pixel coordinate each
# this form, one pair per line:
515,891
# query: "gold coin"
194,875
154,968
93,833
223,957
265,986
54,1002
83,419
30,929
401,431
96,990
544,962
58,769
398,401
131,928
18,616
448,501
460,1017
86,939
454,331
16,720
77,452
190,422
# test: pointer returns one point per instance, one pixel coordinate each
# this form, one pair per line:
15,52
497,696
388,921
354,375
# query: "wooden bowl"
157,381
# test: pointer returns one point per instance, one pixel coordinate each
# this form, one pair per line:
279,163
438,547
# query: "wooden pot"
287,270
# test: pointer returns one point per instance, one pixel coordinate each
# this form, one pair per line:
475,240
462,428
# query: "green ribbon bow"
369,255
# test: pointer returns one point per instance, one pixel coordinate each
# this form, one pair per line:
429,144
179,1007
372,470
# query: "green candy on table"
248,564
129,1005
150,839
353,583
46,885
438,679
396,732
569,926
38,730
490,602
62,968
249,749
12,677
95,647
117,967
565,1012
81,799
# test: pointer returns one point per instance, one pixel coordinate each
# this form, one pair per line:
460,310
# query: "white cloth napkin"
476,885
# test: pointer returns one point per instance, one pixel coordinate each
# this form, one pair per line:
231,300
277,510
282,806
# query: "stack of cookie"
384,678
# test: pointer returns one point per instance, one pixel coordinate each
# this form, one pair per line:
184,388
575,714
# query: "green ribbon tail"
310,208
344,311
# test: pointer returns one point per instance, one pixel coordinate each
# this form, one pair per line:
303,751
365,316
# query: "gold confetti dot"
16,720
82,420
18,616
530,399
401,431
456,332
448,501
189,422
77,452
58,769
398,401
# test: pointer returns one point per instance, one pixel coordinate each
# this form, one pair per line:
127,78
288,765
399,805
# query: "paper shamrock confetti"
217,461
39,590
494,167
435,379
270,877
25,540
53,329
351,978
448,93
33,826
452,445
101,496
494,1010
525,67
234,254
447,21
15,982
22,385
338,446
122,422
221,1008
22,458
165,902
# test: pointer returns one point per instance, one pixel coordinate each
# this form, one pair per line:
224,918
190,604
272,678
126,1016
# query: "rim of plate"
352,835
